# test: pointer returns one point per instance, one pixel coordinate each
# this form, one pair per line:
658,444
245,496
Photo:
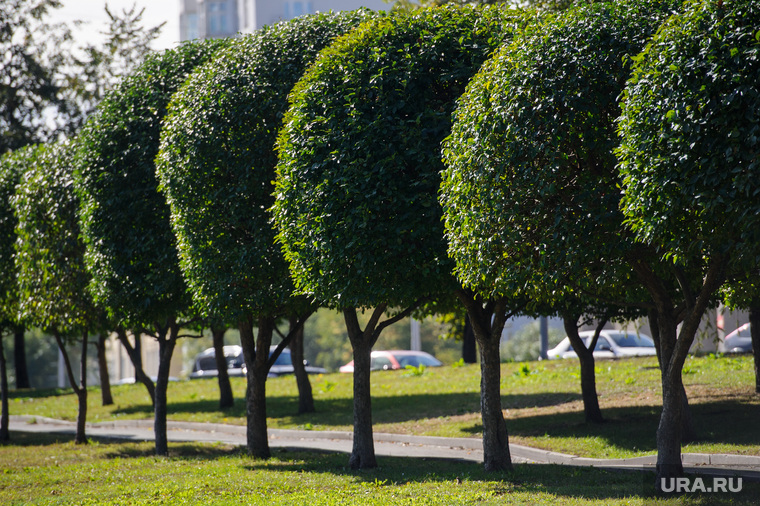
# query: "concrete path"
396,445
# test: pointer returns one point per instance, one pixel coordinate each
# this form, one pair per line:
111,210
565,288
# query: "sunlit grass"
541,401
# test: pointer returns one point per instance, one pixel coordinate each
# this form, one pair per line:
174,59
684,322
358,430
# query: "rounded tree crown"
690,134
52,278
217,159
125,220
530,190
356,206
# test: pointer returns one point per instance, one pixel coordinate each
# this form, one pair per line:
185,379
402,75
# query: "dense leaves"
217,160
125,220
690,130
356,203
52,278
12,166
530,190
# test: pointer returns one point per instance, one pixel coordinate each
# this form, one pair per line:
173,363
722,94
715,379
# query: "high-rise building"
208,19
202,19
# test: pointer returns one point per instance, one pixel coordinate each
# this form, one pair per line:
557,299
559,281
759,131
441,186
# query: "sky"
93,12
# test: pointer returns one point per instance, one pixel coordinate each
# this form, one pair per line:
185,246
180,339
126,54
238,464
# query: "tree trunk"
81,438
81,392
256,354
488,319
105,381
135,356
754,329
496,455
226,399
19,358
305,396
167,341
4,413
469,346
363,450
588,373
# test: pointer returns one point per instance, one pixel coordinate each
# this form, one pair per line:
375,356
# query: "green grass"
542,404
45,469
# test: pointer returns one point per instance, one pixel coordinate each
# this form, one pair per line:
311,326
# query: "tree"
689,161
529,191
52,278
130,248
99,69
216,167
358,174
11,166
32,57
48,86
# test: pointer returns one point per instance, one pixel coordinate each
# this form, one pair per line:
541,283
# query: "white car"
611,344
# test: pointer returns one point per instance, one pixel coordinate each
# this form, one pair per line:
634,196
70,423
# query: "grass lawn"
40,469
541,400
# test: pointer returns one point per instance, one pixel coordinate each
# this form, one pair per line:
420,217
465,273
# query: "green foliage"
125,220
32,52
12,166
216,163
415,371
51,275
690,134
358,175
530,192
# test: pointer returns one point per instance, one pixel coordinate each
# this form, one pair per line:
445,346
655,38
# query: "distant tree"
131,249
52,278
358,175
48,85
689,148
96,68
216,167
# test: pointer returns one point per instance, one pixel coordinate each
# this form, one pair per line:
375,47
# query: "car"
611,344
738,341
205,363
396,359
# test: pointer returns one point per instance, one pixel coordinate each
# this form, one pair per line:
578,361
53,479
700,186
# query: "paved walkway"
396,445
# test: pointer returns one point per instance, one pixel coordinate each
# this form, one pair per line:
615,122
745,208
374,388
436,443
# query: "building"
203,19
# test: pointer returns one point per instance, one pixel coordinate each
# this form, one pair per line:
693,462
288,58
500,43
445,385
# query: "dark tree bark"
305,395
754,329
488,319
135,356
672,349
362,341
363,450
167,341
80,389
4,413
19,358
105,381
587,365
226,399
256,354
469,345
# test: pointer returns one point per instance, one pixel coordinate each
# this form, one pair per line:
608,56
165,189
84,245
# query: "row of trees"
301,167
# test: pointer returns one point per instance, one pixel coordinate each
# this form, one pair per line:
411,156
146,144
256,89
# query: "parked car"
611,344
205,363
738,341
396,359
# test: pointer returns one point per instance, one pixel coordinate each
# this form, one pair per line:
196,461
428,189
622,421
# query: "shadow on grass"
386,409
635,428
